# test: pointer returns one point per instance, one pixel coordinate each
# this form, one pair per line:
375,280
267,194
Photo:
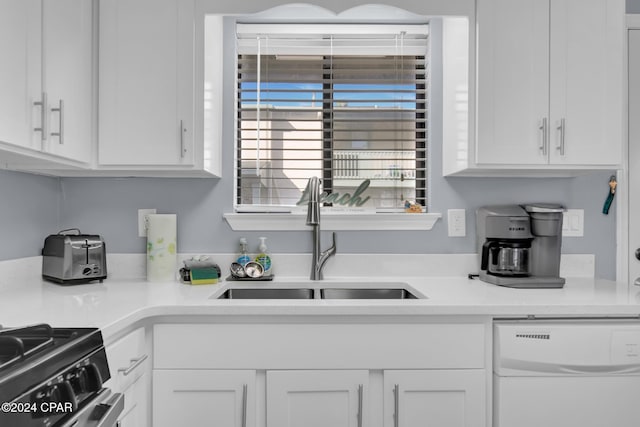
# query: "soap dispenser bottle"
263,257
243,257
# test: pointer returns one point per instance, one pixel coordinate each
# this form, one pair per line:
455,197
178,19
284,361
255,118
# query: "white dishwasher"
561,373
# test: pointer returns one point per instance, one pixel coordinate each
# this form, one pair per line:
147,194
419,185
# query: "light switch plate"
456,222
142,221
573,223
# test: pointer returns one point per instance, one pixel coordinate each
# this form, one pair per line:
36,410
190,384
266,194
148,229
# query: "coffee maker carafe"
506,257
519,246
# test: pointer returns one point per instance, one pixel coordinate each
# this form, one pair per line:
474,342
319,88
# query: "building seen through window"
348,108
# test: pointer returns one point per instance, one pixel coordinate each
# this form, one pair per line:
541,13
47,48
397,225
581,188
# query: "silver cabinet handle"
244,405
561,128
360,393
134,364
43,116
60,133
183,130
543,129
396,404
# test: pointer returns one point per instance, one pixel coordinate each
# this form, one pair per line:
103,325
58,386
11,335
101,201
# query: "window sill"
334,222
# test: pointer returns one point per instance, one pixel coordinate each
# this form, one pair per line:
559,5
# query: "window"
344,102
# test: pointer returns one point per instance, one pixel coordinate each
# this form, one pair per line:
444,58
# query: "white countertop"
118,303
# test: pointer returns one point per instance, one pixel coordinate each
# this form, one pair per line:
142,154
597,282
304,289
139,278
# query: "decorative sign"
336,198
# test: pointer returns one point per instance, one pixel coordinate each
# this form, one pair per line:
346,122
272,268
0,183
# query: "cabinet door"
443,398
203,398
20,47
136,403
513,81
316,398
67,77
146,82
587,70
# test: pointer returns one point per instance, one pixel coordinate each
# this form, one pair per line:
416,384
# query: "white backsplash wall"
391,267
109,207
29,211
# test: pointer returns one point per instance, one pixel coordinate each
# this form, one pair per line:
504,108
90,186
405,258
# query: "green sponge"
204,276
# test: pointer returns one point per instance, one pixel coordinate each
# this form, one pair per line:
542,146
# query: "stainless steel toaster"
71,257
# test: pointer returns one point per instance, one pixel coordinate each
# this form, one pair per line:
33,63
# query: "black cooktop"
32,354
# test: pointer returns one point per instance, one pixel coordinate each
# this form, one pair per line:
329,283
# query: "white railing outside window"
344,102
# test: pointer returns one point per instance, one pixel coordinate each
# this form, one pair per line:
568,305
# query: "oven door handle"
112,410
103,414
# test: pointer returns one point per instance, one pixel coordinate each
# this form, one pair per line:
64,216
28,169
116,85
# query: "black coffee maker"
520,246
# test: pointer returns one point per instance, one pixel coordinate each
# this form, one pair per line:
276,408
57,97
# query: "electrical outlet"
142,221
573,223
456,222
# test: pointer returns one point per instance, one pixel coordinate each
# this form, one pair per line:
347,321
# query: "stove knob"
62,393
86,379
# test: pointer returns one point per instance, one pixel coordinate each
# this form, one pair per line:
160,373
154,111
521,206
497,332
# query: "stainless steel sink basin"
328,291
363,293
267,293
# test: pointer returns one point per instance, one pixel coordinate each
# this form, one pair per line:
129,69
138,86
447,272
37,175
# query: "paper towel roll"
161,247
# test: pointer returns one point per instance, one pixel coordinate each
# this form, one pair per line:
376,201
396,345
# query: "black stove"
54,377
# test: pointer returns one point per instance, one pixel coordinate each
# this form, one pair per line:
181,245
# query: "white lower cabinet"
136,403
220,398
317,398
289,373
443,398
130,368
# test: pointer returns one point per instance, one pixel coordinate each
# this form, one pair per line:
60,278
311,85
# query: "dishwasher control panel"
625,346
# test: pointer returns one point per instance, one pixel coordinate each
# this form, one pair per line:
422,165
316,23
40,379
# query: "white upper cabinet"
550,85
68,78
46,78
586,84
513,80
20,84
147,89
146,82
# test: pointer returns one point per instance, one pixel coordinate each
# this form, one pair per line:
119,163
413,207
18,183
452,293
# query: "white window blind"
344,102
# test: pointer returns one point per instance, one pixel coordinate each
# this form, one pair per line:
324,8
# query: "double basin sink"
347,290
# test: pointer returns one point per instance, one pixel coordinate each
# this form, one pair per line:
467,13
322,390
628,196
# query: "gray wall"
633,6
109,206
29,211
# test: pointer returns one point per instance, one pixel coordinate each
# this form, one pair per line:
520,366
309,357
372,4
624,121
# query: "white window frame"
332,220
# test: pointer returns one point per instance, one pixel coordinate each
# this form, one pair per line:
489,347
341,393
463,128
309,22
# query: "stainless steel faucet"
313,219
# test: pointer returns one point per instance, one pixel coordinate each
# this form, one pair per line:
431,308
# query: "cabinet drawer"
127,359
319,346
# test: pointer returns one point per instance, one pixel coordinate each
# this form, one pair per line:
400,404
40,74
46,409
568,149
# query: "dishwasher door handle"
528,366
600,369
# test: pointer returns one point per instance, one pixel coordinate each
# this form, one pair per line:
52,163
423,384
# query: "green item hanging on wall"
612,192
